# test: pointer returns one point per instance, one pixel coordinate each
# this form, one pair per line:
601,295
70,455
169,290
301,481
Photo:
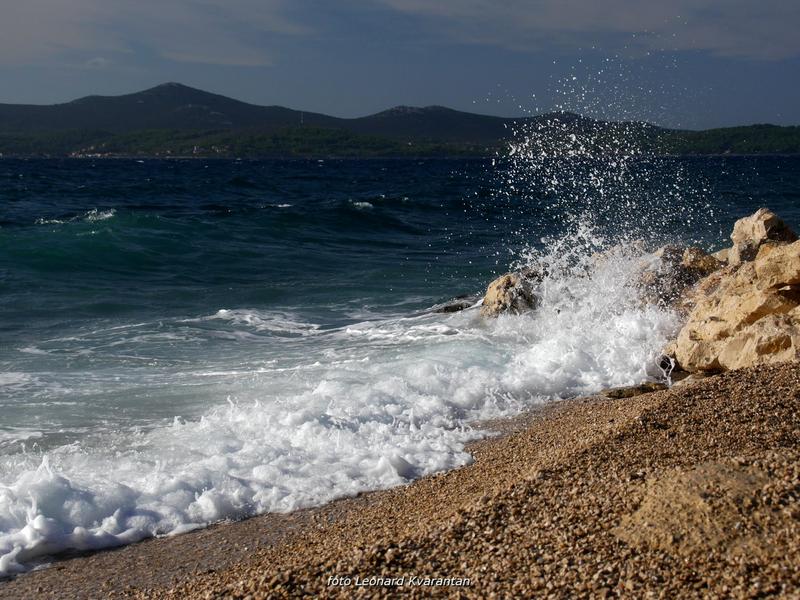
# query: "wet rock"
698,263
683,378
457,304
751,232
629,391
674,270
510,293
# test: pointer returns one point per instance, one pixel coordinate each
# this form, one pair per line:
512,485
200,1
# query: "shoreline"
411,157
224,543
575,499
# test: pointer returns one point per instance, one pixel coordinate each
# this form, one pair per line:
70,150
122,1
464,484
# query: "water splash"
578,167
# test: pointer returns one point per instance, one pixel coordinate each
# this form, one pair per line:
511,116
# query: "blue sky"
689,63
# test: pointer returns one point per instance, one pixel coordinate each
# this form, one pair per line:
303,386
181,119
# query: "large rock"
745,315
774,338
510,293
673,270
778,265
751,232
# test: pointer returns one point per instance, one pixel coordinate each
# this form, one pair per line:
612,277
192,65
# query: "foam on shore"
366,406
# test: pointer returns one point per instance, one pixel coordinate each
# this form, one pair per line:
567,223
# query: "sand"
688,492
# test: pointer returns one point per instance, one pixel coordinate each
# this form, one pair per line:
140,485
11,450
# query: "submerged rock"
457,304
747,313
510,293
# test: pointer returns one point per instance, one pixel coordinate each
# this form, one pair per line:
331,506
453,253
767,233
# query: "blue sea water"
188,341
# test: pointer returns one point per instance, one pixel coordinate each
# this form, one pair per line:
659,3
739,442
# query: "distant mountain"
167,106
441,123
432,122
177,120
178,107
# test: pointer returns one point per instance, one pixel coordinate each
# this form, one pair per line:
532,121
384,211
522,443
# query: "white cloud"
205,31
765,29
98,62
239,32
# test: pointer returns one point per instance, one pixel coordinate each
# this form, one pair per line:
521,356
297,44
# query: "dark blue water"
135,292
83,240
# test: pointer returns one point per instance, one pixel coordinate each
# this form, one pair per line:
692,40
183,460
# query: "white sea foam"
13,378
98,215
362,407
90,216
273,321
362,205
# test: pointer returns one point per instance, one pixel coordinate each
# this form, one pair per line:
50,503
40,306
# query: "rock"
457,304
775,338
778,265
511,293
682,378
744,315
722,255
629,391
751,232
676,268
698,263
670,254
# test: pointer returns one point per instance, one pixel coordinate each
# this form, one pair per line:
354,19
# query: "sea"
184,342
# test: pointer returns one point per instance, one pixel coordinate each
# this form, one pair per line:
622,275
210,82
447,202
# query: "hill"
178,107
177,120
167,106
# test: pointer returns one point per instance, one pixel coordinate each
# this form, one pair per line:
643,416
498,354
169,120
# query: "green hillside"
176,120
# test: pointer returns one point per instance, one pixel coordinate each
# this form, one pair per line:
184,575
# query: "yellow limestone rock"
750,232
775,338
778,265
509,293
745,315
722,255
697,261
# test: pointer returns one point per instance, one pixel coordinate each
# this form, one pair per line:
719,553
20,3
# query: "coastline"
483,156
130,569
574,499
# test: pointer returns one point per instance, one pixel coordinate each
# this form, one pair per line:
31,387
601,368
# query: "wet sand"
689,492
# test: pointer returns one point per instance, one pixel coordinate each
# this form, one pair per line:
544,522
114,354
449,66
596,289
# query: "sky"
681,63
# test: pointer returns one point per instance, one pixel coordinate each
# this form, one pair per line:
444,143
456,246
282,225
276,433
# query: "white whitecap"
362,205
95,215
